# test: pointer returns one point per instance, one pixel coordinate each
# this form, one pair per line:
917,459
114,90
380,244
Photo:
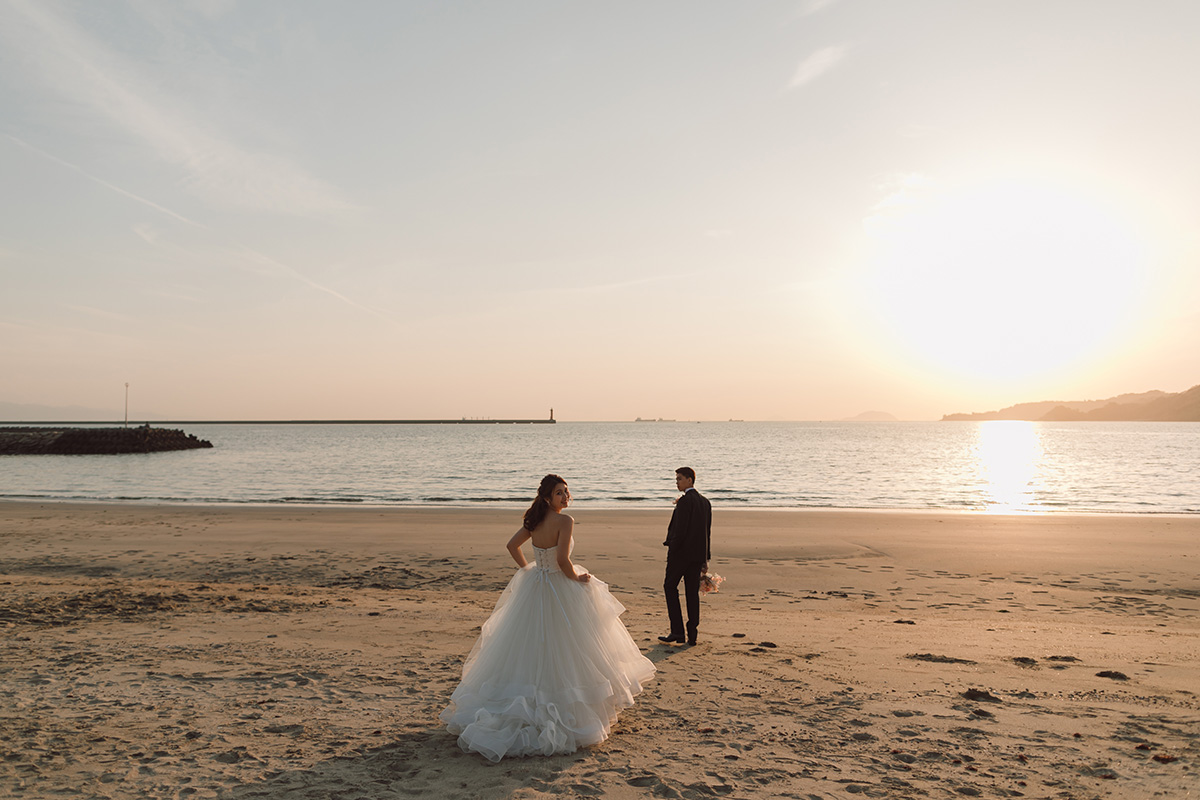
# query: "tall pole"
127,404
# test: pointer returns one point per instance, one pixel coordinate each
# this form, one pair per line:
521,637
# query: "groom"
688,552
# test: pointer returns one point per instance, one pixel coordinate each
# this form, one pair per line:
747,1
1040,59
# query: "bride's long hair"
541,503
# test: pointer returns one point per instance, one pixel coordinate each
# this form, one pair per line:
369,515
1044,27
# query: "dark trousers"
689,572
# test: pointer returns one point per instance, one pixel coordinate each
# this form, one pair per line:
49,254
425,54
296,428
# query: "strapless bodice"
546,559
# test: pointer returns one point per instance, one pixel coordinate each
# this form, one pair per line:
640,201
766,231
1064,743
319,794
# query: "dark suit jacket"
689,533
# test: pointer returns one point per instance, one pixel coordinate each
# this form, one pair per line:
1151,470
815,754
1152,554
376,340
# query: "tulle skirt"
551,669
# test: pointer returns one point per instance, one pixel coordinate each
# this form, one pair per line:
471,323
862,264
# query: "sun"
1000,278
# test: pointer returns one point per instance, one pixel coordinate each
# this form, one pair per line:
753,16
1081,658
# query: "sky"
687,209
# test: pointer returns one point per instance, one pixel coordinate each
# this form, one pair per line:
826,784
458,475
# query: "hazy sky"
694,210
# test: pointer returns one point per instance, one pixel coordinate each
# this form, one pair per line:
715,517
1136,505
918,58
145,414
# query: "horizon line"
460,421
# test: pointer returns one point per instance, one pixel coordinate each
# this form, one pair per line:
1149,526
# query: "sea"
986,467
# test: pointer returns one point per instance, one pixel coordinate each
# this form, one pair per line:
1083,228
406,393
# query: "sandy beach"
216,652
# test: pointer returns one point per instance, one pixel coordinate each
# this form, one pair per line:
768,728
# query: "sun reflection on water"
1008,454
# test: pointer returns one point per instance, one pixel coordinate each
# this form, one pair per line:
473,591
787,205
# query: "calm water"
985,466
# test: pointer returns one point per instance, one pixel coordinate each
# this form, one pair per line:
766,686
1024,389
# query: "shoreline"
234,652
643,507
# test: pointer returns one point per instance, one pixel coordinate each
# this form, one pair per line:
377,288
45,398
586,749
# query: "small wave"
472,500
317,500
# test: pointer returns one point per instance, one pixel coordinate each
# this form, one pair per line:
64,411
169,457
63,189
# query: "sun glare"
1007,454
1000,279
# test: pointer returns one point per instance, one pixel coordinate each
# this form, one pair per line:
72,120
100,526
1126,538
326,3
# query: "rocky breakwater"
95,441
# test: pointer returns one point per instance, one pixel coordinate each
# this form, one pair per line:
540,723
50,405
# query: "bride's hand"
583,577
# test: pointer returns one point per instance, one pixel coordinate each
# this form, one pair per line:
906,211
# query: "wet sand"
214,652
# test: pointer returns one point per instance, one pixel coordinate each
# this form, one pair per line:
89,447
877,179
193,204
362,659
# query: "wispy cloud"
103,182
263,263
80,67
899,195
266,265
815,6
146,233
817,65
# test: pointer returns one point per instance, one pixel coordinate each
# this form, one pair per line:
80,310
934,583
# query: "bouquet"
711,582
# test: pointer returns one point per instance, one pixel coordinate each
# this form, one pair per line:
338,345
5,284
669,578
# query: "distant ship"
660,419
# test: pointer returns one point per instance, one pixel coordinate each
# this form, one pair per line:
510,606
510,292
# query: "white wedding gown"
551,668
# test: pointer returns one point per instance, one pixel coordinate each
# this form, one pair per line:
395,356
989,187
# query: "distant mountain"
871,416
1154,406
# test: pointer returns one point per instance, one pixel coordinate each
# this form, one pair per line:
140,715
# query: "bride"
553,664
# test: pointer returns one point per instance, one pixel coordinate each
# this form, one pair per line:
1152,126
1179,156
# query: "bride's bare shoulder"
561,525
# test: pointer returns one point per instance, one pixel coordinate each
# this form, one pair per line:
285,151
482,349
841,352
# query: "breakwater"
65,441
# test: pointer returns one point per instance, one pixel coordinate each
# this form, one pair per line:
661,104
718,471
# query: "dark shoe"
672,639
692,641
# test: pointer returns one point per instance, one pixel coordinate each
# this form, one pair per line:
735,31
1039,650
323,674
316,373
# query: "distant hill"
1152,406
871,416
